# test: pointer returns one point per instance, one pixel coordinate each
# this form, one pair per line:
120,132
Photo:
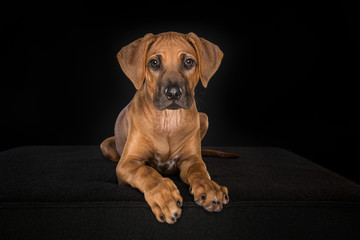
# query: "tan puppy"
160,130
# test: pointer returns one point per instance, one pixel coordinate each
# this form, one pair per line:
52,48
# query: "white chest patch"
165,167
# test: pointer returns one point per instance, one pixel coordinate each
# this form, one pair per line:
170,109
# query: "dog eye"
189,63
154,64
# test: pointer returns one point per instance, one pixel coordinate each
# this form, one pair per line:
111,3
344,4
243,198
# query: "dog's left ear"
132,59
209,57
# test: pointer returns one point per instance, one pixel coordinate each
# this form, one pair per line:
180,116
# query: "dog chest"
164,165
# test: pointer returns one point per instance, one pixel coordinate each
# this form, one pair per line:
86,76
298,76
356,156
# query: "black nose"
173,93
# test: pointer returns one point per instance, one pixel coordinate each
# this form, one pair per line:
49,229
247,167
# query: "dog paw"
209,194
165,201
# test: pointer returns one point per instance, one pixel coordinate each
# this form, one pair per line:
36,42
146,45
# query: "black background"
287,79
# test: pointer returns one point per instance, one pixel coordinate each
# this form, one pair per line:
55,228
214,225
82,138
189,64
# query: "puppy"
159,132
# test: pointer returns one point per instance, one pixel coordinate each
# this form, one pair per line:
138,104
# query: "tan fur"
149,143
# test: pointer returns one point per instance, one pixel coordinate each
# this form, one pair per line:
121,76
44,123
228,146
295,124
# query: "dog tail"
215,153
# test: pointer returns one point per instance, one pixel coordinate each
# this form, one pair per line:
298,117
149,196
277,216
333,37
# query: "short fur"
156,136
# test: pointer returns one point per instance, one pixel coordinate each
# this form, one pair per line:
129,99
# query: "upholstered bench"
71,192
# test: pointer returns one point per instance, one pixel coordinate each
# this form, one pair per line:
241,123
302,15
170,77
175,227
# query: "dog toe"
210,195
165,201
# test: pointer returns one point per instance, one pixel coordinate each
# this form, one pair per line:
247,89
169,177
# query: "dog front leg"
160,193
206,192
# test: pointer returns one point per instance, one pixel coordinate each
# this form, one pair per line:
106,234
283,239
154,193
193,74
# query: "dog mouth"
173,106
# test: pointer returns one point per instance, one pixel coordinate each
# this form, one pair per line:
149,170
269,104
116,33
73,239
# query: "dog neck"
169,120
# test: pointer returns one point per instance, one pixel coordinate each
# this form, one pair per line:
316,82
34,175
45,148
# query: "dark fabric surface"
67,192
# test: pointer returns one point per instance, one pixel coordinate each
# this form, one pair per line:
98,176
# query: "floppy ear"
209,56
132,59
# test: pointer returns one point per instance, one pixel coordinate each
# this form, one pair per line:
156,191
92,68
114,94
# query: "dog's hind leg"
204,124
113,149
108,148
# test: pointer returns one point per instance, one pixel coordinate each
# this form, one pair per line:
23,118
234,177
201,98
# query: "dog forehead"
171,45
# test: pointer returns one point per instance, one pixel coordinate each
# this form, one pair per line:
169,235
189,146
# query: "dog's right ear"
132,59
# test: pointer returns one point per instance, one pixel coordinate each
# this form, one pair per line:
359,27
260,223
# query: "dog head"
171,65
